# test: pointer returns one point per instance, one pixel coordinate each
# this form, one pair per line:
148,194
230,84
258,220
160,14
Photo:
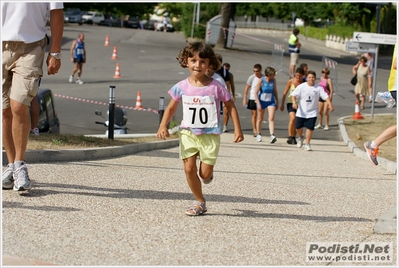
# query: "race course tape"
105,103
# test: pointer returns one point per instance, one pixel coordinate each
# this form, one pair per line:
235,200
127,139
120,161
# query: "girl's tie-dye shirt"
201,106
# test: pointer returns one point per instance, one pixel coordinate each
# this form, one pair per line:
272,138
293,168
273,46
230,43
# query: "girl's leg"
321,110
326,115
271,110
253,121
259,120
190,168
205,171
291,125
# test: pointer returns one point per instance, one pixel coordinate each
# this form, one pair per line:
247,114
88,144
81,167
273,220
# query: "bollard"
161,108
111,112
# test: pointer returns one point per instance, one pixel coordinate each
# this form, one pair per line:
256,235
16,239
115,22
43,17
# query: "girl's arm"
256,93
287,87
232,110
163,131
275,92
329,81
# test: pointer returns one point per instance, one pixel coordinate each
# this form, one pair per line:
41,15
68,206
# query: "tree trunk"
228,11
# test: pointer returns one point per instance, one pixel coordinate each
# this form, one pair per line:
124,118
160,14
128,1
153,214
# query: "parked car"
93,17
160,26
111,20
149,25
48,119
73,15
132,22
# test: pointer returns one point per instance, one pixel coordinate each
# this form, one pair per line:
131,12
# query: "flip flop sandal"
196,209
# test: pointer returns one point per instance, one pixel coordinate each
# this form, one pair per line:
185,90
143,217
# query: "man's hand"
53,65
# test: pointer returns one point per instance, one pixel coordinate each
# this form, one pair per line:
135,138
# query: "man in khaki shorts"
293,47
24,42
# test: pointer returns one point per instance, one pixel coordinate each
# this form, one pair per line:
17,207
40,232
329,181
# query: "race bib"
79,51
200,111
266,97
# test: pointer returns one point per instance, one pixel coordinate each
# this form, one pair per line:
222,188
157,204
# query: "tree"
228,11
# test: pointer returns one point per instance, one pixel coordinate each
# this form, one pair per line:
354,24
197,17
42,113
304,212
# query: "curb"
386,164
46,156
386,223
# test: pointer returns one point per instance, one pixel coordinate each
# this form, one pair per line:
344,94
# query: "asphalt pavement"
266,201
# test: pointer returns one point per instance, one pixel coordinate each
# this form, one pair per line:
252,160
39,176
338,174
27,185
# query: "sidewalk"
265,203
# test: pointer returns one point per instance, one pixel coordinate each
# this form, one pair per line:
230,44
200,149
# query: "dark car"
132,22
48,119
73,15
111,20
150,25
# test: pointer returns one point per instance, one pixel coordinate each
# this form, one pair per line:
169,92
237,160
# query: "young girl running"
326,83
266,96
200,128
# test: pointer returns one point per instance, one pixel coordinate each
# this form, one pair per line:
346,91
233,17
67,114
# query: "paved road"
265,203
147,64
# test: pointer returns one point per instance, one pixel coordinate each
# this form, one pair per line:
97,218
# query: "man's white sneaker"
307,147
21,178
225,129
80,82
7,177
299,142
258,138
70,79
273,139
318,126
326,128
35,131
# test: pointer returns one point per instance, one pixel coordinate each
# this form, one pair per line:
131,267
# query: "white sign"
361,47
374,38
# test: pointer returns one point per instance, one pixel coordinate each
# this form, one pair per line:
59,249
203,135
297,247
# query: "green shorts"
206,145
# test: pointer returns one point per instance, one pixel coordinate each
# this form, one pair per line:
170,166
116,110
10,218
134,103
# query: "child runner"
200,128
308,94
326,83
266,96
289,88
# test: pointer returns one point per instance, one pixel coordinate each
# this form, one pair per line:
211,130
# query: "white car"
93,17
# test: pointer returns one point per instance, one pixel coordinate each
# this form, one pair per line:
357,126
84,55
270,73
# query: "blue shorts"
264,104
290,109
309,123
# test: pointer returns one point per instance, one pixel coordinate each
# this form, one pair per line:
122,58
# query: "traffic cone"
357,114
138,101
117,72
106,41
114,55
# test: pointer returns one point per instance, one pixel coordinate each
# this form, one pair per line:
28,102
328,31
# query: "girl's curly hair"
204,51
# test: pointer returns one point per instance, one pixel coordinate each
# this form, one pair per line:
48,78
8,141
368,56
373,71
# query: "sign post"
376,39
361,47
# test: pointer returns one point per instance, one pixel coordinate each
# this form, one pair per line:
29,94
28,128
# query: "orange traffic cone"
117,72
106,41
357,114
138,101
114,55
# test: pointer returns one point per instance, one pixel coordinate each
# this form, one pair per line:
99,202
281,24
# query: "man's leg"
8,142
20,128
